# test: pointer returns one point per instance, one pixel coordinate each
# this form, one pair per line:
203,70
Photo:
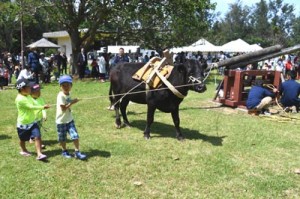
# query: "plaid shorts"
63,129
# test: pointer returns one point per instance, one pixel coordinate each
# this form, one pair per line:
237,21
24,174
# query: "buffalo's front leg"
176,121
150,119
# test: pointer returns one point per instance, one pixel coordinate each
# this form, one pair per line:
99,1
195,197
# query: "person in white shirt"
26,74
102,67
64,120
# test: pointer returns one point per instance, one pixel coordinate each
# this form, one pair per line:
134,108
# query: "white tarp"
179,49
198,48
127,49
201,48
202,45
255,47
238,45
43,43
202,42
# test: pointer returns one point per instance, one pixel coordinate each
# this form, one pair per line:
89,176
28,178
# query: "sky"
223,5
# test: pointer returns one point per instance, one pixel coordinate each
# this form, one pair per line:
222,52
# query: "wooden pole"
250,55
266,57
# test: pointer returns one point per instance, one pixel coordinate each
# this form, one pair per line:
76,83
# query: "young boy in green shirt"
40,115
26,122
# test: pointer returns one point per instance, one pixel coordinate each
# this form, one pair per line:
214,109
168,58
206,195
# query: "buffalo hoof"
180,138
146,137
118,126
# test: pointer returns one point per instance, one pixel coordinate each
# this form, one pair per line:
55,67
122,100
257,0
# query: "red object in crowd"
288,65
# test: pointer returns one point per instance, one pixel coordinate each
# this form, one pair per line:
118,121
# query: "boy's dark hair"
292,74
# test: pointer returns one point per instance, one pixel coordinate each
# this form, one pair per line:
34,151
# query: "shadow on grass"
90,154
202,107
4,137
53,153
95,152
54,142
136,113
166,130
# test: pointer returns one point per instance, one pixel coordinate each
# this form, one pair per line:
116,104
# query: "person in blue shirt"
260,98
34,64
121,57
289,91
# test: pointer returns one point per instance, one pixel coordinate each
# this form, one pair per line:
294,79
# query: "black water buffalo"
189,73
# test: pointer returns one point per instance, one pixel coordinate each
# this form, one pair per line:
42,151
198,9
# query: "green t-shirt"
26,109
39,114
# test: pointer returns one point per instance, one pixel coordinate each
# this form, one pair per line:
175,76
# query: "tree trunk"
76,46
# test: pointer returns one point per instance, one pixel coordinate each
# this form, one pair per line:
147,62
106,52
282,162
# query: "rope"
126,93
132,93
287,115
271,86
207,74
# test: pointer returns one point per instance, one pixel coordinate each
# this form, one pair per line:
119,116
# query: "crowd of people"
33,67
39,68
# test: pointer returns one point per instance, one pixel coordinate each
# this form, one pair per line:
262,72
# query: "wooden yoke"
156,67
156,71
144,69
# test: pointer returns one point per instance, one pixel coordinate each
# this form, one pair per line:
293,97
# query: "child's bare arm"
65,107
46,106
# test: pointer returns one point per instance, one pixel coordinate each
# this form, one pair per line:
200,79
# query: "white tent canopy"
202,42
255,47
203,45
127,49
43,43
238,45
196,49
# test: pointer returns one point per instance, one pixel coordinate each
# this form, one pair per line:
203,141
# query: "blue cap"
65,79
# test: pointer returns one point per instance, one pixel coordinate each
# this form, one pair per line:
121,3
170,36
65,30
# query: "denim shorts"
25,135
63,129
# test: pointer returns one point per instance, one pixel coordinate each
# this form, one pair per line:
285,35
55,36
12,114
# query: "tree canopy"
157,24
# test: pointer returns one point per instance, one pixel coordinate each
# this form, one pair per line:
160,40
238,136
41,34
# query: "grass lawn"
226,153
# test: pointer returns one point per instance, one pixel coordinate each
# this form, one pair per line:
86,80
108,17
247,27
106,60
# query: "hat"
21,83
35,87
64,79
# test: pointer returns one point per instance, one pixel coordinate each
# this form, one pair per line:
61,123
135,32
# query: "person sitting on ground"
289,92
260,98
